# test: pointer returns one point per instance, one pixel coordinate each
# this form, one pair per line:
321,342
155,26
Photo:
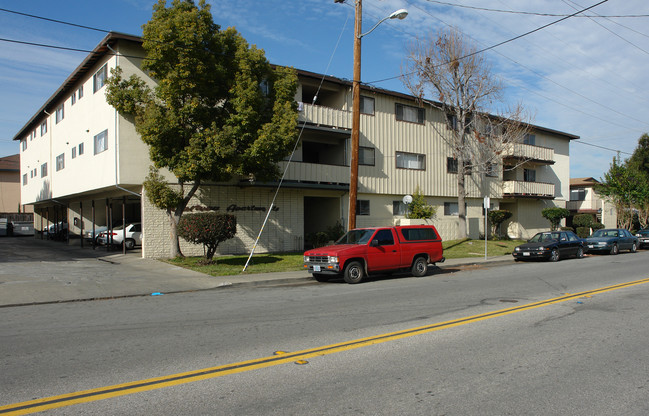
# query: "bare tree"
448,69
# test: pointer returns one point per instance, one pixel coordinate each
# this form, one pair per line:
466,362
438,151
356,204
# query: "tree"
219,110
418,208
583,223
207,228
554,215
497,217
449,68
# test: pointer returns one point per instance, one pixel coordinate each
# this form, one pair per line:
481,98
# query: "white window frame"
99,78
367,105
81,148
363,207
43,128
411,161
101,142
410,114
366,156
60,162
60,113
44,170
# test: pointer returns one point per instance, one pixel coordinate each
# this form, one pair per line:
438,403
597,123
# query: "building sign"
230,208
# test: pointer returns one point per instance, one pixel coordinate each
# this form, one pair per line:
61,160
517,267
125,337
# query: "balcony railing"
528,189
588,205
528,151
316,173
325,116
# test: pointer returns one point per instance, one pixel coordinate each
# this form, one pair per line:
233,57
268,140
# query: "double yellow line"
117,390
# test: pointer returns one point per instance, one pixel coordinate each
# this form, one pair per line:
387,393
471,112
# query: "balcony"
530,152
521,189
317,175
325,116
584,206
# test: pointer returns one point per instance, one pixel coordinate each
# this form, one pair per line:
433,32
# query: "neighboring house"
584,200
10,180
91,164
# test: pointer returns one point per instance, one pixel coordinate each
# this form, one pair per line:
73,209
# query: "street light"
356,104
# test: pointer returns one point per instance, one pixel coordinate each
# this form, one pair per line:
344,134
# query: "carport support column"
81,221
124,224
94,238
109,228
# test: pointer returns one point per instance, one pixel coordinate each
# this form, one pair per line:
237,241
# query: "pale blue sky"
585,76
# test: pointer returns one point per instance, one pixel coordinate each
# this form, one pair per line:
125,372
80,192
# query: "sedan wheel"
580,253
554,255
130,244
634,248
614,249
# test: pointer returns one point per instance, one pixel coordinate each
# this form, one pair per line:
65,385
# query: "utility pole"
356,116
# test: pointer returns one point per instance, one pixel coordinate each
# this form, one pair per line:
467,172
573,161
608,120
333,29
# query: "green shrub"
207,228
497,217
582,220
583,232
554,215
597,226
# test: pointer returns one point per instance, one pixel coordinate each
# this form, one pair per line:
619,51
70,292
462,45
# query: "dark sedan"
643,237
612,240
550,245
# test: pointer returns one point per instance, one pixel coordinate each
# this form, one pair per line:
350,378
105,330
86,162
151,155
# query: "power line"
53,20
527,13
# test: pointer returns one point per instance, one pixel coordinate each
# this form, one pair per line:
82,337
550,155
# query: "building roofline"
113,37
95,55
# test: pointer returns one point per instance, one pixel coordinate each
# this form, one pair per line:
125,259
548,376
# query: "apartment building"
585,200
90,164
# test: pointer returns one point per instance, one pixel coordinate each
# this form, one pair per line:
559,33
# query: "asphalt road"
464,351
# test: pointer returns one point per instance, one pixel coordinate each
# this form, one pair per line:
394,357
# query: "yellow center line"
117,390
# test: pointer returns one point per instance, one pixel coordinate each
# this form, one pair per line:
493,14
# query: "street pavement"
34,271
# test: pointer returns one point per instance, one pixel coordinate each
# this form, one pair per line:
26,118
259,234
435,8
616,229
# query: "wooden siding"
313,172
528,151
325,116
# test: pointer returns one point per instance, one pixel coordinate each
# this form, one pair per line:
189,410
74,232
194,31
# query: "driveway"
41,271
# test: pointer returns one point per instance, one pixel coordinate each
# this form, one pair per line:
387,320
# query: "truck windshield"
356,237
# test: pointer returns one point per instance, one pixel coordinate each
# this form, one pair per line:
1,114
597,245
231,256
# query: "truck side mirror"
374,243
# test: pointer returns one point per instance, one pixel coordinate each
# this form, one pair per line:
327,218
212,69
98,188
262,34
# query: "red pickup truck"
364,251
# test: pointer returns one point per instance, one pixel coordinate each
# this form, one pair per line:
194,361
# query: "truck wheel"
354,272
320,277
419,267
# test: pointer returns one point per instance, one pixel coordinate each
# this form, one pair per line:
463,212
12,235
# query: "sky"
585,75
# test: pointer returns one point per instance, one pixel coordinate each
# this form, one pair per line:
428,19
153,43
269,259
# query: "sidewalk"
34,271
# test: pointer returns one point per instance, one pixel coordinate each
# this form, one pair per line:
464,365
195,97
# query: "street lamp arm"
399,14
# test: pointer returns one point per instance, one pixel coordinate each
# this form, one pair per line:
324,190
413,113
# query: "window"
44,170
399,208
25,179
529,175
80,92
73,98
31,173
451,165
411,114
59,114
385,237
577,194
43,128
74,152
23,144
99,79
366,156
80,149
411,161
367,105
492,170
418,234
60,162
451,208
101,142
362,207
530,139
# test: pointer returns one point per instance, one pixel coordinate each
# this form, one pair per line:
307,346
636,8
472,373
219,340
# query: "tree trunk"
461,207
174,218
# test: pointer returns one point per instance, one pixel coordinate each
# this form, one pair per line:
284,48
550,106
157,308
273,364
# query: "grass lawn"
283,262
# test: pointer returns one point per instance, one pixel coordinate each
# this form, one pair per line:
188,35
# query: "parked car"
364,251
22,228
612,240
551,245
133,236
57,231
87,233
643,237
